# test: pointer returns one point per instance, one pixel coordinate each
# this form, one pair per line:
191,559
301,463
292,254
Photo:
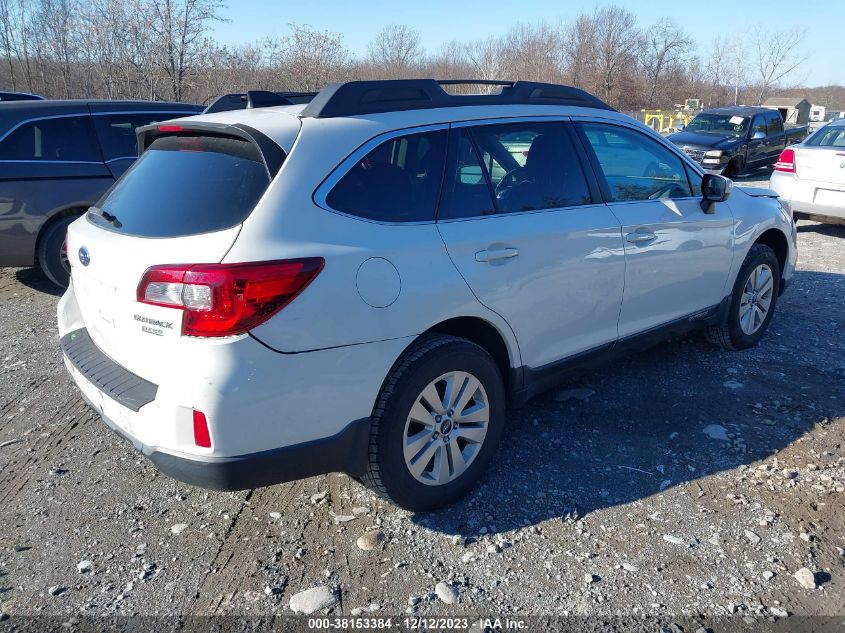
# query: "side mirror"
714,189
756,136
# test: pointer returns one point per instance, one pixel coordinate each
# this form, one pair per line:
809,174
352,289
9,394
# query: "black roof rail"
394,95
257,99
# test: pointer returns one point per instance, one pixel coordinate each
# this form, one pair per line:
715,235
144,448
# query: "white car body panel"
683,270
562,293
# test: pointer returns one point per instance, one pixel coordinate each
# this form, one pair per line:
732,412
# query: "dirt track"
582,486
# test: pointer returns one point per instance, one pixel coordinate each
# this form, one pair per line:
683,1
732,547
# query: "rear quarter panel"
332,312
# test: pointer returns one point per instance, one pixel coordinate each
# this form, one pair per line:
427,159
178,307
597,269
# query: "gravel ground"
679,482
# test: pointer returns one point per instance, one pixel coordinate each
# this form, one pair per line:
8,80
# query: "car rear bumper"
345,452
803,195
271,416
119,396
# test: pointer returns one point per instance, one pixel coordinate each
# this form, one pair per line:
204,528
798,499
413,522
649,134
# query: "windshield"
185,185
719,125
828,136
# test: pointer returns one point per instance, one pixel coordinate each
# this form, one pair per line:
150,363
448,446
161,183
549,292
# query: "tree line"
164,49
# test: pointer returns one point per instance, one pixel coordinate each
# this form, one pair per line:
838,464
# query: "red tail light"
170,128
786,161
227,299
201,435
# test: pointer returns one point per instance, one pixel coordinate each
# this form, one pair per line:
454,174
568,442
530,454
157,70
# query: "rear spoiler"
271,153
257,99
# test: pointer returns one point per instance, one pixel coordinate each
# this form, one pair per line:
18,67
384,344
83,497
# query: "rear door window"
399,181
117,131
512,168
59,139
185,185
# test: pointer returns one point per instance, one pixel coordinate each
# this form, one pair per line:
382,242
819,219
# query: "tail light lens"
227,299
786,161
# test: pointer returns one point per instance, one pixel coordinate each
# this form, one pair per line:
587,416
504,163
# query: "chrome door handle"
638,237
497,254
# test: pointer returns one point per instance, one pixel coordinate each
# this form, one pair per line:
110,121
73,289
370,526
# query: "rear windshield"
185,185
830,136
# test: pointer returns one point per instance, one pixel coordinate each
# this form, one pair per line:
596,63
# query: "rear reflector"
786,161
201,435
227,299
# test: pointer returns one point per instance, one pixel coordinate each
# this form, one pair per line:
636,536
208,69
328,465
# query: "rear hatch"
182,202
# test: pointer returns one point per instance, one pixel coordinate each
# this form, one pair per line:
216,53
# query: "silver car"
810,176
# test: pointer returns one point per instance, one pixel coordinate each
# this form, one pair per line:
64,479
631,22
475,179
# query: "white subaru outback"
365,282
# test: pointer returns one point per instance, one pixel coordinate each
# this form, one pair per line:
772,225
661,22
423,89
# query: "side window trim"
484,170
686,162
595,175
321,193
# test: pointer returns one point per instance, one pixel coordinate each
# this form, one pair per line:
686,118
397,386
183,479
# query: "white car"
810,176
366,283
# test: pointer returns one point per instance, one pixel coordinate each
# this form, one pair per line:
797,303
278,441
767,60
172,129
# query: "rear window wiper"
108,217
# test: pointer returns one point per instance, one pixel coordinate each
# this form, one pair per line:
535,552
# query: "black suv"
56,159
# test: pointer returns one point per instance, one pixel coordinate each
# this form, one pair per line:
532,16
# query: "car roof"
12,113
366,108
49,104
282,123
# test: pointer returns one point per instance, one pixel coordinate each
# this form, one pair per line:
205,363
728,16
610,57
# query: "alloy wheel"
756,299
446,428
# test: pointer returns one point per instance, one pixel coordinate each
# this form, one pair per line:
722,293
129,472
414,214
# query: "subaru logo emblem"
84,257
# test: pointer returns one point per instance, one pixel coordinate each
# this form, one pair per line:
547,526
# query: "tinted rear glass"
185,185
399,181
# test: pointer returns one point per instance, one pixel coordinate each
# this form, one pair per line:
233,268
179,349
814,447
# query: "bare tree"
777,56
717,67
309,58
396,51
579,51
736,69
533,51
178,27
15,29
486,59
665,44
617,40
163,49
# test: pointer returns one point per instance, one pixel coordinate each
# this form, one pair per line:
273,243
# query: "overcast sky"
439,21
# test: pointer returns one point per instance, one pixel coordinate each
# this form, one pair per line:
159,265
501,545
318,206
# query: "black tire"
50,250
729,334
431,357
734,168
